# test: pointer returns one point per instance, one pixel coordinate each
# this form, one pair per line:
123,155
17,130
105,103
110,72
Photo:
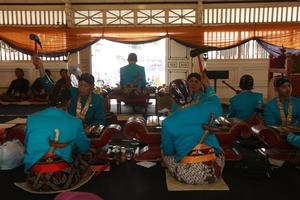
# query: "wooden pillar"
69,14
85,60
199,12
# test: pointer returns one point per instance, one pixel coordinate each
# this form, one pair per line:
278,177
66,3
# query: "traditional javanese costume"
243,105
90,109
133,74
51,137
283,112
181,133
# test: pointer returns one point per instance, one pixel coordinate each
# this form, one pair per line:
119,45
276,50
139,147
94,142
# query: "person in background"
65,78
132,74
45,75
37,89
85,104
244,104
284,110
51,137
19,87
182,132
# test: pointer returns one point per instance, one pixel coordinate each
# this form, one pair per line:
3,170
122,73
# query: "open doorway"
108,57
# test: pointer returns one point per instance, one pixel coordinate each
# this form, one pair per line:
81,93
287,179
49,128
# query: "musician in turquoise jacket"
85,104
244,104
284,110
132,74
201,91
182,132
53,138
45,79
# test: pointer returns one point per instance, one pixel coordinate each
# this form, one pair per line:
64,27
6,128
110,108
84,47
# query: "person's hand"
205,80
210,128
37,62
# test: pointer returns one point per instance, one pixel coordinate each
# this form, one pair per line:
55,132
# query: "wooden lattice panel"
88,17
182,16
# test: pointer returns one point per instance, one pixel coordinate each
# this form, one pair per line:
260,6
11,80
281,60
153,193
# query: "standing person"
284,110
181,133
243,104
132,74
51,136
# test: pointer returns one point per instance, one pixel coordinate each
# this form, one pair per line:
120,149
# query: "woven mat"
83,181
174,185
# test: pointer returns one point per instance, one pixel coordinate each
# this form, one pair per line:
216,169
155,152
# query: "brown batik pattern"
54,181
196,173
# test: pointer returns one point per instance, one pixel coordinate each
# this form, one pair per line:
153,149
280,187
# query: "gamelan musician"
284,110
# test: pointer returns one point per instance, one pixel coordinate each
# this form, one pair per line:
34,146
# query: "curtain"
59,41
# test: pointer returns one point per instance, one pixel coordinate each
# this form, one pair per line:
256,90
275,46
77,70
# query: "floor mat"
174,185
84,180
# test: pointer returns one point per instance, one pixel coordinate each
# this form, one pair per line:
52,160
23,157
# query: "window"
108,57
7,53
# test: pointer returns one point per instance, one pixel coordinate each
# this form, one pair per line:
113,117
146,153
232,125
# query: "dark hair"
48,71
87,77
21,70
194,75
246,82
63,70
281,80
59,95
132,57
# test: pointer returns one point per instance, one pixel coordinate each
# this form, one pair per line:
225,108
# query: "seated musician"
19,87
85,104
45,75
244,104
182,132
201,91
37,89
51,137
284,110
65,78
132,74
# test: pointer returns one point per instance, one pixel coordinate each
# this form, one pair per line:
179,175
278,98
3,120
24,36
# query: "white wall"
237,68
7,71
179,65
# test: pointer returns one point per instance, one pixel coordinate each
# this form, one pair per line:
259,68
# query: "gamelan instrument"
277,146
136,128
101,136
